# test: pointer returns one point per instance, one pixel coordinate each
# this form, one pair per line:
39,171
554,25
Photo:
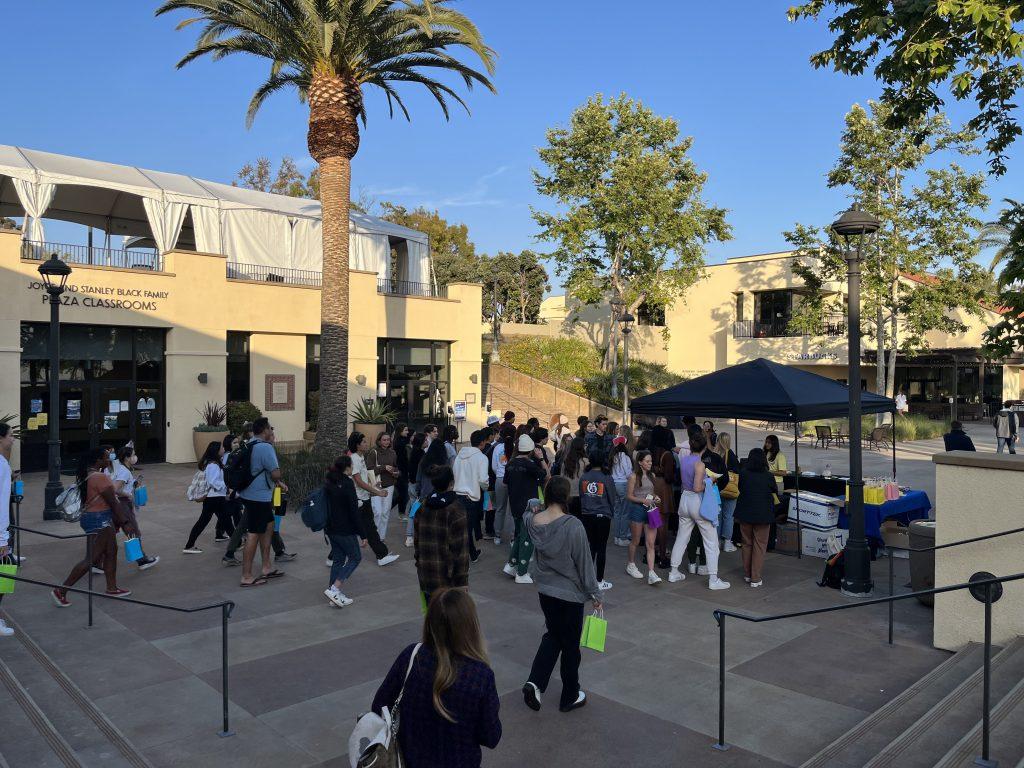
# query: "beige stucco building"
149,337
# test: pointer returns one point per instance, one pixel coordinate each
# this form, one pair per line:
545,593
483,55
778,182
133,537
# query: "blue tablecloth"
913,505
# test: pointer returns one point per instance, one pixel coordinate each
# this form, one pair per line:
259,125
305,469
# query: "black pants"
276,542
472,523
489,516
380,549
564,622
400,498
598,528
212,505
233,511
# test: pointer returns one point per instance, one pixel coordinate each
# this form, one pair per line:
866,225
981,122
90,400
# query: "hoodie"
442,557
470,468
597,493
562,566
1005,423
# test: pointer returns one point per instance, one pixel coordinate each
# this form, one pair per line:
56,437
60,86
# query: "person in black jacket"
957,439
524,475
755,509
436,456
344,528
401,446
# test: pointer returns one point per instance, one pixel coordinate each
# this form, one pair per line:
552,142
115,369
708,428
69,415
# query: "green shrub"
303,472
239,412
908,428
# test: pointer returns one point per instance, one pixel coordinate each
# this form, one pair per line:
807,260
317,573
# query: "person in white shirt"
215,501
499,458
123,477
471,480
6,442
357,446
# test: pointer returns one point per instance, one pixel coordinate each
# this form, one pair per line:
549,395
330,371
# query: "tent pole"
736,436
796,476
894,414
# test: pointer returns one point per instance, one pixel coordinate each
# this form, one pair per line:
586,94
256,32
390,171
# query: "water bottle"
828,470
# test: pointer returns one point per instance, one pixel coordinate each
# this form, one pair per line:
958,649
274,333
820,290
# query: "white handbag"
374,741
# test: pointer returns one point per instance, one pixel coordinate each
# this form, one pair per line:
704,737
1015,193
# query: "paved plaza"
301,671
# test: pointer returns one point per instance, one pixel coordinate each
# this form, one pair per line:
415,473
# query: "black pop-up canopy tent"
767,391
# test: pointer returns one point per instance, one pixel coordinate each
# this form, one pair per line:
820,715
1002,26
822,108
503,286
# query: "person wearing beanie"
439,538
493,420
525,475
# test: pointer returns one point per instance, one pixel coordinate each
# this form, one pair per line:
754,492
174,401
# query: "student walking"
449,707
122,472
344,529
100,510
1005,424
471,480
434,455
6,478
400,498
622,468
257,500
232,507
382,461
441,537
215,502
564,572
692,476
500,457
357,445
524,476
598,502
755,509
641,497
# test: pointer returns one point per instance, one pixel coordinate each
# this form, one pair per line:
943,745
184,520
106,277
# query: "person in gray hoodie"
564,573
598,501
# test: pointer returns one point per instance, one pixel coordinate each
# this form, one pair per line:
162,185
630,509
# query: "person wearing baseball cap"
493,420
525,474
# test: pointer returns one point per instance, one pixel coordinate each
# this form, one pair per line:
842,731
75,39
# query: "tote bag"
132,550
595,632
711,502
9,568
374,742
141,496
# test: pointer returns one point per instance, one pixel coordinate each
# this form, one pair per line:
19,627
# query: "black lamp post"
627,327
55,277
855,224
617,305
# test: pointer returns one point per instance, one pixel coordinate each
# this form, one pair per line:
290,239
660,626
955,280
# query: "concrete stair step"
1006,739
870,736
936,732
55,705
27,737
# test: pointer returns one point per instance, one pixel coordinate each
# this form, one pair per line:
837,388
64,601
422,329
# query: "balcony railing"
91,255
405,288
830,325
281,275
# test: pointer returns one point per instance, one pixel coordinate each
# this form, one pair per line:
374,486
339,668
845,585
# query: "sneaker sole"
530,697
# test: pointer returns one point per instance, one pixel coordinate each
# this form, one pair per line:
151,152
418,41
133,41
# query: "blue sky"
98,80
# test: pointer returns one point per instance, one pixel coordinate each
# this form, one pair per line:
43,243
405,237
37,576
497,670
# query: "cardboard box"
895,535
815,509
815,540
786,541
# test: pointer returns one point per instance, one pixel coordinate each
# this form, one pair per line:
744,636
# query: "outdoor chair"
880,438
823,436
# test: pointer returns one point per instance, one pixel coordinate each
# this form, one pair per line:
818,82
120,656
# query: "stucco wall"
976,495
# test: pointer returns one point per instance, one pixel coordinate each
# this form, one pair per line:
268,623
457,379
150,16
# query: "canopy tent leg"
796,477
736,436
894,414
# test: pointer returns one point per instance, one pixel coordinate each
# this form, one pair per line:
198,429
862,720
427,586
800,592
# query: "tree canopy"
922,49
1006,337
514,287
288,180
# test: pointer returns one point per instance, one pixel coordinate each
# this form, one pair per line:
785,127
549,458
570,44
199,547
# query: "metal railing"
282,275
405,288
984,587
226,606
830,325
93,256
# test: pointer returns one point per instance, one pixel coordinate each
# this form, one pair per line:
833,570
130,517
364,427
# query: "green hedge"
913,427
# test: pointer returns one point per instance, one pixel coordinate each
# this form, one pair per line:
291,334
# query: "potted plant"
211,427
371,417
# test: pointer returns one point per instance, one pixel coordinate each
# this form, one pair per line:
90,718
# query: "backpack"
198,488
238,470
70,504
835,570
315,509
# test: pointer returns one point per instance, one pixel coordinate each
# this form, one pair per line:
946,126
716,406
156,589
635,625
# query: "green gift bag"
9,568
595,631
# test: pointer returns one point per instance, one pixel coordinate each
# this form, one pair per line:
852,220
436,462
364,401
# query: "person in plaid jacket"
439,541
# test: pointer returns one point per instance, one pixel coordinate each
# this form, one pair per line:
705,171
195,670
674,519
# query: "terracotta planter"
370,430
202,439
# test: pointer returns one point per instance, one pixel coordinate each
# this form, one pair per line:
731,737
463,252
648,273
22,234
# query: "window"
415,375
238,366
312,368
739,308
650,315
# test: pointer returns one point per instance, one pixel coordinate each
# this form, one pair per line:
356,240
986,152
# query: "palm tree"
996,234
328,50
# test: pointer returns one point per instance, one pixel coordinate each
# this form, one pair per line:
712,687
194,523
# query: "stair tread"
20,742
872,734
941,728
1006,740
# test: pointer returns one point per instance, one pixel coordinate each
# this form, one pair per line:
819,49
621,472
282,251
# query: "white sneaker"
604,586
717,583
746,579
408,541
329,562
5,631
675,575
524,579
653,578
345,599
508,570
336,597
692,567
387,559
633,571
97,571
702,570
729,547
497,541
756,584
192,551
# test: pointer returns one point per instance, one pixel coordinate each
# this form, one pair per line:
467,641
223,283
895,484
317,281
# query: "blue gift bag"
277,523
415,508
711,503
132,550
141,496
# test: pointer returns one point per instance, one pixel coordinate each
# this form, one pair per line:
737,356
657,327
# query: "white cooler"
815,509
814,541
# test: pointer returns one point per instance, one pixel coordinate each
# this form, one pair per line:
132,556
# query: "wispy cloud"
479,193
406,189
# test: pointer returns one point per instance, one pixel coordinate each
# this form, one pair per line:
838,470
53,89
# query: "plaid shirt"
442,555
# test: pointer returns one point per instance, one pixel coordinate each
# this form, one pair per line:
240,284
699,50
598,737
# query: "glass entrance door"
112,412
77,417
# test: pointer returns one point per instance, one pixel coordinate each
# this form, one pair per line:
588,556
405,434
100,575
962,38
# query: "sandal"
274,574
259,581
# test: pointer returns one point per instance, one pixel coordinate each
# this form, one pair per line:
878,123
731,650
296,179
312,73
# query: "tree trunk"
333,141
879,358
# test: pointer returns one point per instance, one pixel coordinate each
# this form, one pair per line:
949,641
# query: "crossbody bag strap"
408,671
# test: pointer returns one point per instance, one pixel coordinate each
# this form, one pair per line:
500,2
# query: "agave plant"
213,416
373,412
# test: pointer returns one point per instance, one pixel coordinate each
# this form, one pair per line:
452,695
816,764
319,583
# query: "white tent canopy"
171,210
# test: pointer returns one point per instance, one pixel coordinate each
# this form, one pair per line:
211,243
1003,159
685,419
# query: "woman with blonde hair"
723,447
449,707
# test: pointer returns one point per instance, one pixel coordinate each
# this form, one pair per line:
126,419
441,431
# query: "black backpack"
238,470
835,570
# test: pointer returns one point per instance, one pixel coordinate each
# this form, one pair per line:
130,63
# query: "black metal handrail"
281,275
983,582
406,288
226,606
93,256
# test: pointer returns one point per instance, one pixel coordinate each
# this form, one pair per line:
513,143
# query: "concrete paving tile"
253,746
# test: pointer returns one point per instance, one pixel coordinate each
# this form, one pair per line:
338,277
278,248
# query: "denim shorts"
93,522
637,512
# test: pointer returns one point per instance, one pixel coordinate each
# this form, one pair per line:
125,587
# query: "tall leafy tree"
629,218
329,50
287,180
923,49
451,251
920,266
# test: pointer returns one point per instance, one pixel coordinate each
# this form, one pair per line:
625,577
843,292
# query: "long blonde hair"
723,445
451,630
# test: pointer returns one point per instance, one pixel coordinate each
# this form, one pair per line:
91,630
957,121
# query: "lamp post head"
55,274
617,304
855,222
627,322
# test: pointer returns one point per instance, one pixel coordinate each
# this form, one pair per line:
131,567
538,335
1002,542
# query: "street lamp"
617,305
627,327
855,224
55,277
